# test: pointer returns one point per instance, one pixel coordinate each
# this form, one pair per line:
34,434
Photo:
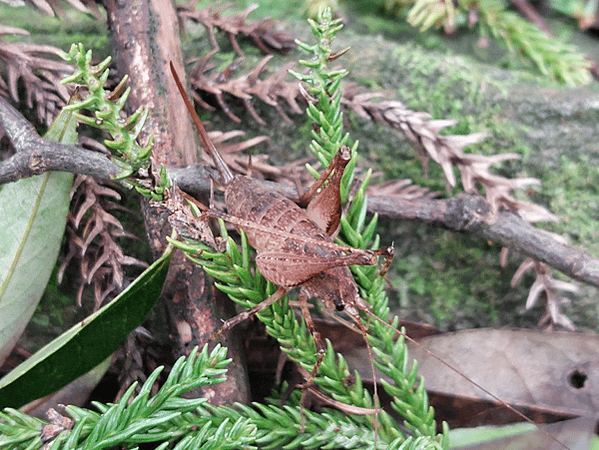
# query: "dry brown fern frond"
52,7
40,77
271,90
447,150
545,288
261,32
136,358
92,234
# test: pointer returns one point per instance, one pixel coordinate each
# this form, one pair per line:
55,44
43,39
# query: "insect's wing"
289,269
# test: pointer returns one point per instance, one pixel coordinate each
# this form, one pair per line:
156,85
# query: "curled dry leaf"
546,373
555,371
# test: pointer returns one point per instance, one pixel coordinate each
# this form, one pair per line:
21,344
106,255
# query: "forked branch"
35,155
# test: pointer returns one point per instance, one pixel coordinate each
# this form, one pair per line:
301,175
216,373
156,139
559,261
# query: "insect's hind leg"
250,312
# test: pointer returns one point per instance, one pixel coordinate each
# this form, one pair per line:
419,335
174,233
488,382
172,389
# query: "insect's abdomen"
247,199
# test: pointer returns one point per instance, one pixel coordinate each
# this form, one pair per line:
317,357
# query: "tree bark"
145,37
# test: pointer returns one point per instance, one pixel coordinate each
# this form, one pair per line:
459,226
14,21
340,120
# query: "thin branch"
472,214
34,155
464,213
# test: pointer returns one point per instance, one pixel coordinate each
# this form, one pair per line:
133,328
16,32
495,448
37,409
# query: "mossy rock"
451,280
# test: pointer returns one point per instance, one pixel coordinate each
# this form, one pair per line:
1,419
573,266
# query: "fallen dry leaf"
553,375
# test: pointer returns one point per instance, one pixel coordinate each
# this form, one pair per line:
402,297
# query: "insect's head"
335,287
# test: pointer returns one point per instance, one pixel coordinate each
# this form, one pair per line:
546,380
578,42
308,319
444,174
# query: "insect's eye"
339,306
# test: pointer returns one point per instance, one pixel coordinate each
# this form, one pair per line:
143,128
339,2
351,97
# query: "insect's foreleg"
250,312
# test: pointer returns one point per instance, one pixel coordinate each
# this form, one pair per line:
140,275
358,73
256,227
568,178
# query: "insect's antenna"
360,328
377,402
222,167
462,374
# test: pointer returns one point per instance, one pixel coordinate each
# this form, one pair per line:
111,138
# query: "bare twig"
472,214
35,155
463,213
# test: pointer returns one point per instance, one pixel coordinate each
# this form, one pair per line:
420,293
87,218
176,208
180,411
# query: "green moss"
455,281
572,193
452,280
60,32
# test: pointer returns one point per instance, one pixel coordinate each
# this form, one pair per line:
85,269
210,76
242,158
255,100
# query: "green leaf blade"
33,214
86,344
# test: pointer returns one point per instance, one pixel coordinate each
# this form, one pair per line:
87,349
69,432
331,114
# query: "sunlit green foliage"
552,56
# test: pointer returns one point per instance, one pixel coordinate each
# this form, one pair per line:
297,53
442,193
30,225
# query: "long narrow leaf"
33,214
87,343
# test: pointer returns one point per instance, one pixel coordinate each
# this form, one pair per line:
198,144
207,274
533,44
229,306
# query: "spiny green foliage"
107,108
106,112
136,419
552,57
326,114
168,419
244,284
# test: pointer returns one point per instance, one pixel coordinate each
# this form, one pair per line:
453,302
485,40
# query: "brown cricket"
295,246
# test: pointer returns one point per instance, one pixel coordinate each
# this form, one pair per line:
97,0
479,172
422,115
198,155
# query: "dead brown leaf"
557,372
